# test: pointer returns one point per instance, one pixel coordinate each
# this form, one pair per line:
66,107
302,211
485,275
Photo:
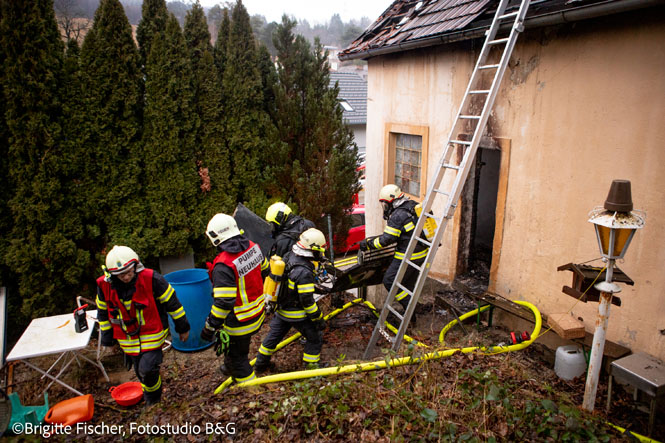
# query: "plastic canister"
569,362
194,290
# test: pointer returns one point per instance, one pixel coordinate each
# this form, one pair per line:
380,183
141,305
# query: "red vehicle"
357,231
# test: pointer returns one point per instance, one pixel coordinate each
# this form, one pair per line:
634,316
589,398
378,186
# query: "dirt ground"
189,379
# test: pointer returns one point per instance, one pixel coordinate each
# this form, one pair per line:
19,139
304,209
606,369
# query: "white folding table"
56,335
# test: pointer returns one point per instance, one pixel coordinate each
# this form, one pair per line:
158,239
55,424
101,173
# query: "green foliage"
169,129
314,156
246,123
222,42
153,21
41,248
113,100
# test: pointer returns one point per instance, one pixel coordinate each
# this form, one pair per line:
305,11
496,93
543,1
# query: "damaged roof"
353,91
410,24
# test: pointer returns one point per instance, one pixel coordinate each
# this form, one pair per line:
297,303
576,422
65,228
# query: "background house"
582,103
353,98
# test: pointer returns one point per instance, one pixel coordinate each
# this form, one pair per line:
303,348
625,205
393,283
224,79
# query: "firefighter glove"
207,333
222,342
362,244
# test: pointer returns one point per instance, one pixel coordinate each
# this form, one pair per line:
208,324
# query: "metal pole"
607,288
330,239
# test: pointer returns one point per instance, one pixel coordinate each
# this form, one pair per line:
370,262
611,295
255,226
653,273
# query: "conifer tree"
42,253
315,158
154,16
222,42
247,124
216,191
170,167
113,100
268,80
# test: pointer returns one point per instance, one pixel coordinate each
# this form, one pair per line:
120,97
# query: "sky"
314,11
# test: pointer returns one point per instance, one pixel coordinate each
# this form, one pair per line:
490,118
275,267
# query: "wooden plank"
566,325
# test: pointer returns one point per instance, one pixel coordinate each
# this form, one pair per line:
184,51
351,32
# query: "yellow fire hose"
382,364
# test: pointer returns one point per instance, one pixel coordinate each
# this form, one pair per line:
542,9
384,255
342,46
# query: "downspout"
549,19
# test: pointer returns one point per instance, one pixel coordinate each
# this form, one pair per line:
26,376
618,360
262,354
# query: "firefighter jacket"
135,314
288,235
297,303
399,229
237,283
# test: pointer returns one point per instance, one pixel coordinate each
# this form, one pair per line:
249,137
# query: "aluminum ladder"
489,70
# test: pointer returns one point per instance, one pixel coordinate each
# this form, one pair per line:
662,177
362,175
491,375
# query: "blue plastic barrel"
194,290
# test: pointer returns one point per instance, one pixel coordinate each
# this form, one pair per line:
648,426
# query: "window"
408,151
346,105
407,158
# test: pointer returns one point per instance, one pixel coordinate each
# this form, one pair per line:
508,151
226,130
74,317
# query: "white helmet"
221,228
312,243
120,259
389,193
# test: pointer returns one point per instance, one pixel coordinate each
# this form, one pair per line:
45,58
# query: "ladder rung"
423,241
437,219
449,166
498,41
397,314
403,288
439,191
472,117
413,265
480,91
460,142
489,67
509,15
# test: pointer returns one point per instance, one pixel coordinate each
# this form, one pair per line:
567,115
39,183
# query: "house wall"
360,136
581,104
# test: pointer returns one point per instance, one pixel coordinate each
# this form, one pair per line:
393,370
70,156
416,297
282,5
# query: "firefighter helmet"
389,193
278,213
312,243
120,259
220,228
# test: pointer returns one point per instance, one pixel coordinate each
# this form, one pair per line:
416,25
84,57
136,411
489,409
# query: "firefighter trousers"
409,280
278,330
146,366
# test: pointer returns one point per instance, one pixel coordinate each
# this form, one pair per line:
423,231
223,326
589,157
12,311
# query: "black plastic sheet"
256,228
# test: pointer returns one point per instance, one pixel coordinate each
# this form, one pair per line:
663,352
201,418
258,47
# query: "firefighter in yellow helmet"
286,228
401,218
296,306
132,307
237,280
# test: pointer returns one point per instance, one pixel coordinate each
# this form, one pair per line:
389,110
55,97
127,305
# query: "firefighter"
237,283
401,218
133,303
296,306
286,228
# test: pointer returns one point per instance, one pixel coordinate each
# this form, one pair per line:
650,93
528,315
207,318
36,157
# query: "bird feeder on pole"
615,224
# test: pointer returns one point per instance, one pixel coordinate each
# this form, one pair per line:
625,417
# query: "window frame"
392,130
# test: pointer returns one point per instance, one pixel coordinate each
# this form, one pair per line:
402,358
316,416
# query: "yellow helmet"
220,228
278,213
389,193
120,259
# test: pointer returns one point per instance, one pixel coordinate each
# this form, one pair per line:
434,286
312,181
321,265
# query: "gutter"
607,7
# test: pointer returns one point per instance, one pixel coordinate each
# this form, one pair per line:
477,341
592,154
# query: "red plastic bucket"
127,394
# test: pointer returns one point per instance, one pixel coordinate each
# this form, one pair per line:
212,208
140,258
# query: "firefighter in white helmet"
237,280
399,211
132,307
286,228
296,306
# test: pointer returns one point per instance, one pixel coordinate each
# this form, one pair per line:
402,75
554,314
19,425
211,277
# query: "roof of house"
353,90
410,24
